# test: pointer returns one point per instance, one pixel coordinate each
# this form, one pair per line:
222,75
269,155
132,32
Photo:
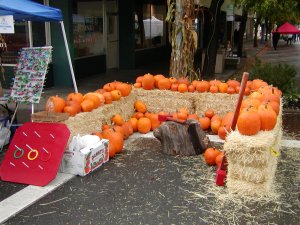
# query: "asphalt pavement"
144,186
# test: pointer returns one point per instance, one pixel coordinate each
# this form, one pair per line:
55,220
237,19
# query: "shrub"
278,75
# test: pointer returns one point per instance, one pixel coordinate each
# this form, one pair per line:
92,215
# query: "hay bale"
89,122
252,161
165,100
221,103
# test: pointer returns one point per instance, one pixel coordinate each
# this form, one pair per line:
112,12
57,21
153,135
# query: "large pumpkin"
248,123
55,104
268,117
148,81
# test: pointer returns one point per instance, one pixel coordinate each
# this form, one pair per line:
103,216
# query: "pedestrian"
276,36
289,39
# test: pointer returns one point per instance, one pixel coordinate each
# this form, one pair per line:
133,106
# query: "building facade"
102,35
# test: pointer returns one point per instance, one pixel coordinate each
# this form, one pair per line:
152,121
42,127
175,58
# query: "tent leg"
30,33
68,54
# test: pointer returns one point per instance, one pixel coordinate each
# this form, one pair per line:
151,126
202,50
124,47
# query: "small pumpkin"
140,106
55,104
144,125
117,119
182,87
268,117
107,98
148,81
204,123
209,113
116,95
210,156
133,122
78,97
124,88
164,84
87,105
203,86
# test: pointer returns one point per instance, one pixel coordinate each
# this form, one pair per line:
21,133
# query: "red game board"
34,154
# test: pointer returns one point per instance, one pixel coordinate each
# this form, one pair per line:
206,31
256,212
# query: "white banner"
7,25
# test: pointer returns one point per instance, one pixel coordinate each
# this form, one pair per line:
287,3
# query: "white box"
86,160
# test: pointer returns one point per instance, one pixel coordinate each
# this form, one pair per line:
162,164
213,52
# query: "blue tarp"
26,10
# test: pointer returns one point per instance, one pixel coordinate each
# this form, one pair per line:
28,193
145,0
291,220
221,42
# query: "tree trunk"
241,33
212,47
258,19
182,138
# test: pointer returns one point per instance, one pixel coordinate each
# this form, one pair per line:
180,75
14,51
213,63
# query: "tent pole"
68,54
30,45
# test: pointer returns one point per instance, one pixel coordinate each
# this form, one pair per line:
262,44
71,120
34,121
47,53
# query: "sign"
30,74
7,25
35,153
229,12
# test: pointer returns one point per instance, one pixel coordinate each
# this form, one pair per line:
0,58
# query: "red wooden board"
40,165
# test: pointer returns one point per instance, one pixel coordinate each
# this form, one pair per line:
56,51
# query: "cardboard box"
86,160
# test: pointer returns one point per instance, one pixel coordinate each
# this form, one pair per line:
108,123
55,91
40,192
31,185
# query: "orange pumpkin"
227,119
214,82
124,88
138,115
137,85
210,156
230,90
191,88
87,105
133,122
222,87
268,117
164,84
107,97
117,119
182,88
55,104
233,83
183,80
155,123
223,130
157,78
144,125
116,142
174,87
140,106
78,97
139,79
70,110
72,107
213,89
204,123
257,83
94,98
209,113
215,125
248,123
116,95
203,86
173,80
148,81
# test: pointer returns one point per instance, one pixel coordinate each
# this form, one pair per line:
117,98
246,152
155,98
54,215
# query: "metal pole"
30,45
68,54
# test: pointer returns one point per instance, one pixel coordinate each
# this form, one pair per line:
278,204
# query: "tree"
212,46
182,36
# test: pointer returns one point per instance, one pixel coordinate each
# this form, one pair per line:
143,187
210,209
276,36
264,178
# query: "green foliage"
279,75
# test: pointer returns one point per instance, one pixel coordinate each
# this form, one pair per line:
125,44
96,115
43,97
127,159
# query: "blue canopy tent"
26,10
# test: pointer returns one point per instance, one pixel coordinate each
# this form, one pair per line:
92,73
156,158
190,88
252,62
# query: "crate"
49,117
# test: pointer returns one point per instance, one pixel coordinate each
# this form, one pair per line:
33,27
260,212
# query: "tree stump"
181,138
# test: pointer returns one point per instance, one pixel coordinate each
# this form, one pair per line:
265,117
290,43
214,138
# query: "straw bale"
89,122
252,160
221,103
165,100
